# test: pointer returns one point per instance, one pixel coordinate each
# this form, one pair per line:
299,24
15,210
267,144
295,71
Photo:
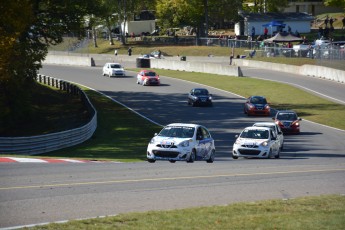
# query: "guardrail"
54,141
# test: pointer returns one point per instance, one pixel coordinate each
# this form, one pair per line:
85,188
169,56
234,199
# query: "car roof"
286,111
184,124
113,63
263,124
200,88
257,128
147,70
257,96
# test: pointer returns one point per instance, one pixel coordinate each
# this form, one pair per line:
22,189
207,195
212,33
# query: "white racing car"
277,131
259,142
182,142
113,70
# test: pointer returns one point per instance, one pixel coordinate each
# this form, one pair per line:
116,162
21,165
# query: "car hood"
259,105
169,140
250,142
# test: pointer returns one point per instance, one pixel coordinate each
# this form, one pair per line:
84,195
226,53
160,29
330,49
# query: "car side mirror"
299,119
155,134
236,135
273,118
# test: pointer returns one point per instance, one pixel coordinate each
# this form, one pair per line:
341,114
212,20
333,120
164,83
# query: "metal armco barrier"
54,141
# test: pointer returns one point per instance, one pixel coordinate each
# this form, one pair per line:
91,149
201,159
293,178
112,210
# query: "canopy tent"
274,23
283,38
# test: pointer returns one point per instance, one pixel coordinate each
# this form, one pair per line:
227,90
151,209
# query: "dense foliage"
27,28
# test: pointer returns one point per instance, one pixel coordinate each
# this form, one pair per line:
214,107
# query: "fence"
46,143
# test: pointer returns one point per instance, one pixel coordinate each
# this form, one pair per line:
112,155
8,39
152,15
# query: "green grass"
322,212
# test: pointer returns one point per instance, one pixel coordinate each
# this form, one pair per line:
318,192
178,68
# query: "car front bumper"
168,154
118,73
259,112
256,151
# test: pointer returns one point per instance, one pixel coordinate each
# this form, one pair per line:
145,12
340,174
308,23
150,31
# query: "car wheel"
151,160
171,161
193,103
192,157
234,157
103,74
212,155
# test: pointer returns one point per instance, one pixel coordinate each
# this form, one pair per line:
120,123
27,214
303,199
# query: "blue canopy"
274,23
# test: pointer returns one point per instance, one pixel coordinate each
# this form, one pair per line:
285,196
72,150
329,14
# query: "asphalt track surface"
311,163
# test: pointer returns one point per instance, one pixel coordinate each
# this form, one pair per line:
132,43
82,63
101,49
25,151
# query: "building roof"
276,17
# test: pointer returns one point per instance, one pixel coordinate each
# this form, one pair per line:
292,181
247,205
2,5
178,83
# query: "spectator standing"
289,29
331,22
115,53
253,32
343,23
130,51
265,32
326,21
159,53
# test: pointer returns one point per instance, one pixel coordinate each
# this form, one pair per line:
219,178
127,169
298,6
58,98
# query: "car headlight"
237,142
152,141
265,143
184,143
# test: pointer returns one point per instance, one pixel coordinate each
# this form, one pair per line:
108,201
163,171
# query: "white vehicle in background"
182,142
256,142
277,131
113,70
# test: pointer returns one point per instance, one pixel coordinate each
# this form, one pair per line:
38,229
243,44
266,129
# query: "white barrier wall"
307,70
202,67
69,60
323,72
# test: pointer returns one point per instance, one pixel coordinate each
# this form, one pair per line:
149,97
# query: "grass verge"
322,212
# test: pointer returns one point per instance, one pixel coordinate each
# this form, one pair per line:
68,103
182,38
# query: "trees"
196,13
27,28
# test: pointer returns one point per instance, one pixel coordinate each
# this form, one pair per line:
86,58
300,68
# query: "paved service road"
311,164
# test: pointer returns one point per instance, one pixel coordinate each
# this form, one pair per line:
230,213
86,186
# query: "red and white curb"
47,160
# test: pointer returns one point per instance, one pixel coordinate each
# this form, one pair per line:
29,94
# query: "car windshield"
177,131
150,74
115,66
258,100
255,134
287,116
200,92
